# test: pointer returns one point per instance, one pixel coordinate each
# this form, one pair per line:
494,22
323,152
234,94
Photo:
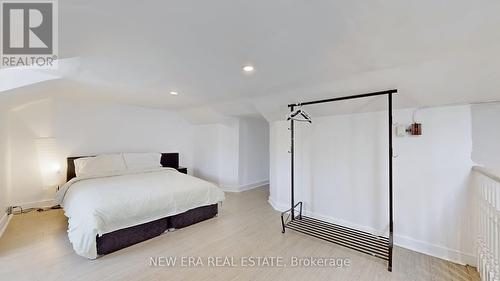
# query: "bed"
112,210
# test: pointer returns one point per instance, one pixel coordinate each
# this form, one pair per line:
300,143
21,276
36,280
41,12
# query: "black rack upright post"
292,164
391,155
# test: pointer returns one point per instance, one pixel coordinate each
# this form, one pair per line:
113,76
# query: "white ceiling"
435,51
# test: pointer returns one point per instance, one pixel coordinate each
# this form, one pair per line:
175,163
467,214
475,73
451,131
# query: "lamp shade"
50,168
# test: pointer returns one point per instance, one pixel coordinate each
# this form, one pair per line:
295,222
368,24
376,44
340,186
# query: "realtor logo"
29,33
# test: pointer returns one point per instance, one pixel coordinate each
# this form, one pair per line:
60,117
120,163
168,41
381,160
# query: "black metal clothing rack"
377,246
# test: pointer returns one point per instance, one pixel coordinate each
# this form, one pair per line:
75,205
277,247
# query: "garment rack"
377,246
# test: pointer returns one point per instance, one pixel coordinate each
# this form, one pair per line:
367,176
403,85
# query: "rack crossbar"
380,93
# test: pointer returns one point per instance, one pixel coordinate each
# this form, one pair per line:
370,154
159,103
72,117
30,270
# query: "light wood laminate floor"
35,246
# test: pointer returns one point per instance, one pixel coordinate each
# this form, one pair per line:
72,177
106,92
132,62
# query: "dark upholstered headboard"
170,160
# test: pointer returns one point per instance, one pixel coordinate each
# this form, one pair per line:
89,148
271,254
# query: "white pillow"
99,165
140,161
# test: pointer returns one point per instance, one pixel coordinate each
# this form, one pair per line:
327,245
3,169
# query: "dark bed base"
117,240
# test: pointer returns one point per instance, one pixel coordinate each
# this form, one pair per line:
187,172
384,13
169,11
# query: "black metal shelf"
354,239
364,242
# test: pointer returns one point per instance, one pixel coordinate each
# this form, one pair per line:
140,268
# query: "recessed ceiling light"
174,93
248,68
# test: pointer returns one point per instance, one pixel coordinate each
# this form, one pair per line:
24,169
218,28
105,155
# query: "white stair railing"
488,228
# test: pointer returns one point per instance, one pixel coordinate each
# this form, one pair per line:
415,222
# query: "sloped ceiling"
434,51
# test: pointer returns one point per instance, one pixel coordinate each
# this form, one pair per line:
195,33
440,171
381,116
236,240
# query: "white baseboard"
4,222
435,250
37,204
277,206
241,188
399,240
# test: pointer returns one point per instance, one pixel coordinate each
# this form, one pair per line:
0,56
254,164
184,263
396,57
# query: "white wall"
3,159
486,135
341,175
433,195
216,153
4,168
234,154
87,128
253,152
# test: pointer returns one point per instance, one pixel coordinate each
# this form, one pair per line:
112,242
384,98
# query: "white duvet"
102,204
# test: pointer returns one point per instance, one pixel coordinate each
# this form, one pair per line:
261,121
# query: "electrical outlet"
401,130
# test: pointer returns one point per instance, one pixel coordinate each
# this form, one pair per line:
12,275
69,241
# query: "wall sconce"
415,129
50,168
